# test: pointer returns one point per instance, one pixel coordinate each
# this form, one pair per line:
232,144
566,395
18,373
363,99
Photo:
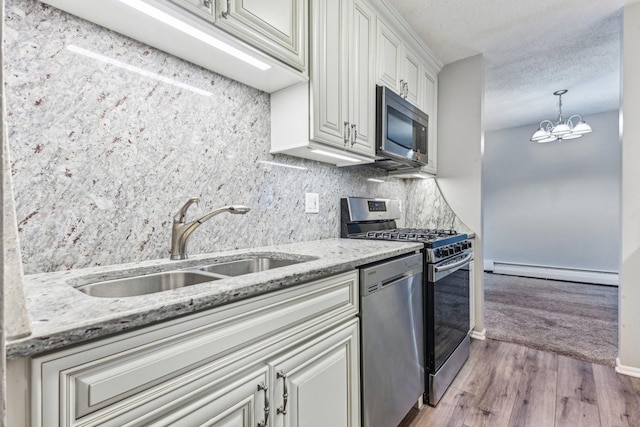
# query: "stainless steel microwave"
402,131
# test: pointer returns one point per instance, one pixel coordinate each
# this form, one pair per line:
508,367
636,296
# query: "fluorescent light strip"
134,69
417,175
376,180
194,32
334,155
266,162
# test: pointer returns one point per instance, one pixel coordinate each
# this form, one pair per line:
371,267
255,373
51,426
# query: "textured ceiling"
531,48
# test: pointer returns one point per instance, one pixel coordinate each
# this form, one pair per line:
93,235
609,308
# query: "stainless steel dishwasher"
392,327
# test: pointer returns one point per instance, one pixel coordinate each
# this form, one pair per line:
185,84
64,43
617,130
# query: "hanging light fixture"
548,131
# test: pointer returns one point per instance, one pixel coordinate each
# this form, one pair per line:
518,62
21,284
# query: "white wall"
460,106
554,204
629,351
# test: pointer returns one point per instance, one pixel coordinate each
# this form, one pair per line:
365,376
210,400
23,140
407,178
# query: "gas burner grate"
411,234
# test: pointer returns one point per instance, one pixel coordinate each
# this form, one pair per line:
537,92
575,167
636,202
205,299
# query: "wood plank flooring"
504,385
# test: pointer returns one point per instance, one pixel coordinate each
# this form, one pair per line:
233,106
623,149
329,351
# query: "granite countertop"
61,315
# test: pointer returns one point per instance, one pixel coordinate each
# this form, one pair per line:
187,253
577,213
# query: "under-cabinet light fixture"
283,165
179,25
335,155
137,70
376,180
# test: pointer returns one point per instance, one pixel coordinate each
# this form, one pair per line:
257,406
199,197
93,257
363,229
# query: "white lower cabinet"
239,403
316,385
216,368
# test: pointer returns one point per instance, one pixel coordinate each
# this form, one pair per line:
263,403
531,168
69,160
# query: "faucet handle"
182,213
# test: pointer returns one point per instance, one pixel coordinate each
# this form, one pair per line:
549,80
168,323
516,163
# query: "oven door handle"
455,264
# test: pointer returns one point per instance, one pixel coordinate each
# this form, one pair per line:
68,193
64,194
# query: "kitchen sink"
145,284
157,282
249,265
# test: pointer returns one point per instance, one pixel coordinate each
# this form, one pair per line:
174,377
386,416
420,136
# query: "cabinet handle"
207,4
406,89
402,88
225,13
285,393
265,388
347,133
354,134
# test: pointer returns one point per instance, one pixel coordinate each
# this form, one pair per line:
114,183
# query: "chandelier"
548,131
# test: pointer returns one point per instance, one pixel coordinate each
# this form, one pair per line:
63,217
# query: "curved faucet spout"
181,231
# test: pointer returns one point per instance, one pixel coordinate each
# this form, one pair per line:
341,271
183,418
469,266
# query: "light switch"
311,203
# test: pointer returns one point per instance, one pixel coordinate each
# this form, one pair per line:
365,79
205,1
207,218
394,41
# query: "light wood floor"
504,384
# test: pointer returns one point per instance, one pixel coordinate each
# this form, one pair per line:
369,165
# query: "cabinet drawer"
129,370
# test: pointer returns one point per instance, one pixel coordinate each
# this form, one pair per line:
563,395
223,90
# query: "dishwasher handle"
382,275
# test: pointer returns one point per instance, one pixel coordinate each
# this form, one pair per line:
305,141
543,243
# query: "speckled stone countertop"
61,315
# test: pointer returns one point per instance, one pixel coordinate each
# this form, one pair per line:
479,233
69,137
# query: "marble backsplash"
109,138
427,207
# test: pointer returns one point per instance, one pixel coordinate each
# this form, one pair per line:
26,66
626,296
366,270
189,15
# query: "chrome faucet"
182,230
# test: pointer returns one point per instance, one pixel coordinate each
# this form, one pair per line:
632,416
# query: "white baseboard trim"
488,265
554,273
627,370
479,335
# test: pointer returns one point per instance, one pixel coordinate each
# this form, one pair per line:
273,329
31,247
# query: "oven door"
447,307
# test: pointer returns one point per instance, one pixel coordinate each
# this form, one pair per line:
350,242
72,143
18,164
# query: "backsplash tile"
109,137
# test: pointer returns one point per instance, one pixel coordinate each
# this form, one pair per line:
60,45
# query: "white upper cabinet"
262,47
411,72
332,118
278,27
399,68
389,58
354,45
342,78
429,104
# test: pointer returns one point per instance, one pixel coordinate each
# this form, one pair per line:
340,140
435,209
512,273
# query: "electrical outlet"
311,203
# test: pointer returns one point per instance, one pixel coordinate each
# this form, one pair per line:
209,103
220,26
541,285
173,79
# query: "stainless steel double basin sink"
163,281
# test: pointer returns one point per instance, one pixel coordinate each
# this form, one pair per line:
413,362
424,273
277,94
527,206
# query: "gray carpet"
574,319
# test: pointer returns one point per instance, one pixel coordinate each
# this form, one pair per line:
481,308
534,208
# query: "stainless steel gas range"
447,255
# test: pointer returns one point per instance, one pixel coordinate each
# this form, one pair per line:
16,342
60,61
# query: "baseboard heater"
571,275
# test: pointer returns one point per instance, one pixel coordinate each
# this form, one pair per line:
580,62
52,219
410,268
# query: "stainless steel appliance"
446,257
402,132
391,295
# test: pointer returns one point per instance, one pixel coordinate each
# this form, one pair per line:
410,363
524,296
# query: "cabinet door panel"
329,73
321,380
411,76
389,57
277,26
362,101
239,404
